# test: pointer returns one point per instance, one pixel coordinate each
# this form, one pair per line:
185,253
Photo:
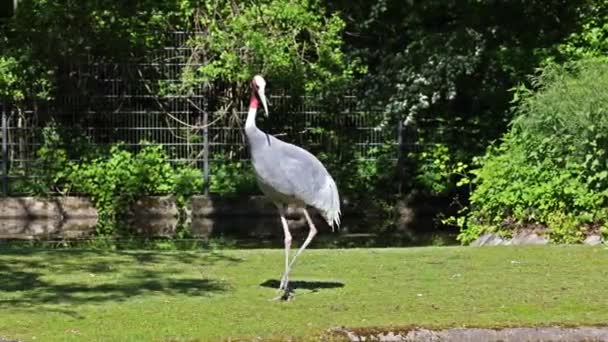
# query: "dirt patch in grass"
4,339
556,333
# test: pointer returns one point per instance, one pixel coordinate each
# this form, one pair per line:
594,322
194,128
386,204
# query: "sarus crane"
288,174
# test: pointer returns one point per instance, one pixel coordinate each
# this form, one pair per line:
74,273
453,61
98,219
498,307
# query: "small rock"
488,239
390,337
593,240
528,238
4,339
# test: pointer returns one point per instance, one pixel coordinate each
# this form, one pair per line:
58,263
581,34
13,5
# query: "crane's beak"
263,99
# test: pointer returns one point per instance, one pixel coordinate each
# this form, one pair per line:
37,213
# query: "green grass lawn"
90,295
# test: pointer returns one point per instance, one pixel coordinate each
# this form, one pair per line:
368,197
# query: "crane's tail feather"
332,207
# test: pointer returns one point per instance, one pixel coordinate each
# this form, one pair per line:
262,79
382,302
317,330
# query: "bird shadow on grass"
59,279
314,286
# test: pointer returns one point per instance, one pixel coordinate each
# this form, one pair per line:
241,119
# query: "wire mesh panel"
4,180
117,101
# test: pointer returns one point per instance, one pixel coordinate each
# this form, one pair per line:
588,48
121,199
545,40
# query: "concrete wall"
76,217
153,206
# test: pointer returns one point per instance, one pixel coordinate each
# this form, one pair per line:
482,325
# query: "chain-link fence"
109,102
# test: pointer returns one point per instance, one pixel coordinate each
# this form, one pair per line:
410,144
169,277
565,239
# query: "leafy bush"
362,175
52,164
115,181
566,228
49,172
305,48
590,40
21,80
232,177
551,168
437,170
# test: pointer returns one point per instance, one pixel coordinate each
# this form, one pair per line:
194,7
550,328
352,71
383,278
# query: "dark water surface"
237,232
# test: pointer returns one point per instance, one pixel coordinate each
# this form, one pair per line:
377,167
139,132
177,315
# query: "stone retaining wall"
153,206
76,217
52,207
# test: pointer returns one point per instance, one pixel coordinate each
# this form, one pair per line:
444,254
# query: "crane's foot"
286,296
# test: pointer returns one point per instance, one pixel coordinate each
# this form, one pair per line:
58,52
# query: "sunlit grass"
80,295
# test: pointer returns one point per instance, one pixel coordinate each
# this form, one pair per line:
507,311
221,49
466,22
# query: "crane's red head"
258,84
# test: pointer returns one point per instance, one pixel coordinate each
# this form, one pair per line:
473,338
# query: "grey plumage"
288,174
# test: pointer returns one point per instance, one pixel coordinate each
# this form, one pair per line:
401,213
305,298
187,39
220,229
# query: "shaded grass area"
95,295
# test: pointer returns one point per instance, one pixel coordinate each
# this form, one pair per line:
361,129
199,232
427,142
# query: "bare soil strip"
572,334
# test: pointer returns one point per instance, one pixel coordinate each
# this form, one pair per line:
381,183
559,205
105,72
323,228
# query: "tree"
44,35
590,40
449,65
292,43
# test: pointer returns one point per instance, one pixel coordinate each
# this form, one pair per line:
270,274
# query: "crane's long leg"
287,241
311,234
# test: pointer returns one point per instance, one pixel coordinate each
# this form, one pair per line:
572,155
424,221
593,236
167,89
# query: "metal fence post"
206,150
4,151
400,157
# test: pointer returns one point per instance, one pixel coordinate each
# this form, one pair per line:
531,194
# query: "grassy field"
88,295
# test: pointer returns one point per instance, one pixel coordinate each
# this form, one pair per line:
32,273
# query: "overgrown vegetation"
113,178
294,44
232,178
116,181
443,67
551,168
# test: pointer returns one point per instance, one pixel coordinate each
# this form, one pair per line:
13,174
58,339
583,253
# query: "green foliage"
296,43
446,68
591,40
231,178
551,168
54,158
113,179
116,181
472,231
9,78
565,228
291,42
437,170
22,79
186,182
75,29
449,63
604,232
360,176
52,166
452,62
45,34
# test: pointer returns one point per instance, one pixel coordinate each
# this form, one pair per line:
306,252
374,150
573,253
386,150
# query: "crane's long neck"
253,109
255,137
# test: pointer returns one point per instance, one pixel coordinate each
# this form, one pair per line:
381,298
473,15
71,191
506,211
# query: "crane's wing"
306,179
